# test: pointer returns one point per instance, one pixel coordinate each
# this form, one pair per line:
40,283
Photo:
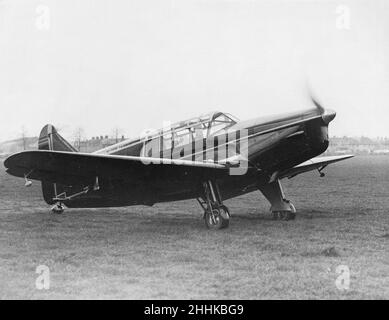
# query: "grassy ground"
166,252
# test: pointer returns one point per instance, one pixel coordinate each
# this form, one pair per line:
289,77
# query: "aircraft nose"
328,116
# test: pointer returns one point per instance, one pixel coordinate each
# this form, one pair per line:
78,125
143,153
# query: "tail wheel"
58,208
219,218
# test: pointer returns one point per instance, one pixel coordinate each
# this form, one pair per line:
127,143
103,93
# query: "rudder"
50,139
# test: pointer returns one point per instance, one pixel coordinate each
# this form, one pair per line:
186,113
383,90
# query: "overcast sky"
135,64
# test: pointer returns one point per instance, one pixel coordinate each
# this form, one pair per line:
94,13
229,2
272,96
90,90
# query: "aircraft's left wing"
312,164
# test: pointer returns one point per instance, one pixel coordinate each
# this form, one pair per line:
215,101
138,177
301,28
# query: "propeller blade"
317,104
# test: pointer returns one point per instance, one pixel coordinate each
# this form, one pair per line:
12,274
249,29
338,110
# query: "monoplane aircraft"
210,158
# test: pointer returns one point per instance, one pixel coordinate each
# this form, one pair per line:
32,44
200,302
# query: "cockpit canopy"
210,123
180,133
220,122
184,132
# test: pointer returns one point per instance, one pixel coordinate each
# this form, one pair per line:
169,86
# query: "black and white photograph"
215,151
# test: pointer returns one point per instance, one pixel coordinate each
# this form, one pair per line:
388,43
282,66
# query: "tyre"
291,216
58,209
220,218
284,215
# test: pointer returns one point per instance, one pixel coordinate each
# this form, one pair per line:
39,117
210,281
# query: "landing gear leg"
216,215
281,208
58,208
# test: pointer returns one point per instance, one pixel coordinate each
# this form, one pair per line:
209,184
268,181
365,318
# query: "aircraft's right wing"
312,164
72,168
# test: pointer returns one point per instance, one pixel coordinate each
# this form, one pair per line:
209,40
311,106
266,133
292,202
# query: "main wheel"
284,215
292,214
218,219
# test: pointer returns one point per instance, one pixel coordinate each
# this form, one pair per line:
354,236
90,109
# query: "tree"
117,133
78,136
24,137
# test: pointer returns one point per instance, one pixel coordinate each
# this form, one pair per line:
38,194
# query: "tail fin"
50,139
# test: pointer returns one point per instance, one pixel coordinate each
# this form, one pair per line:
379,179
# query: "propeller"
317,104
327,115
309,90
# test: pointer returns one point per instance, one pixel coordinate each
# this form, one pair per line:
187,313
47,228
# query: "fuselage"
270,145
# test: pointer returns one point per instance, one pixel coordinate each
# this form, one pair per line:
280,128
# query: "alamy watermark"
343,17
342,282
42,282
43,17
195,143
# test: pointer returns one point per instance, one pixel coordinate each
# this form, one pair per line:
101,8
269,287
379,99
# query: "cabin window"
220,124
152,148
182,138
184,133
167,141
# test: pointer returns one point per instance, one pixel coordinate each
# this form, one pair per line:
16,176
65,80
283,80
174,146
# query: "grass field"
165,252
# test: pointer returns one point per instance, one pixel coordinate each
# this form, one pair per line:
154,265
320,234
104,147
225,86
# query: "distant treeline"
358,145
338,145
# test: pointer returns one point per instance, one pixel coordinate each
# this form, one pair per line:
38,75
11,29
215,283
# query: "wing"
70,168
312,164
